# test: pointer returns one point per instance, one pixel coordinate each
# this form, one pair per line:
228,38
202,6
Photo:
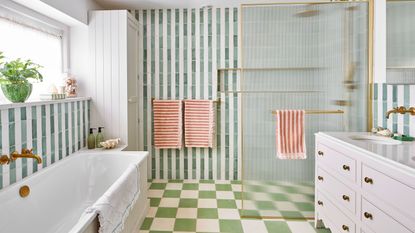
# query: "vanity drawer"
399,195
379,221
341,223
339,193
342,164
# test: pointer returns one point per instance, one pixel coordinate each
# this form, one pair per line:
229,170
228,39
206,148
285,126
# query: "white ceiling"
148,4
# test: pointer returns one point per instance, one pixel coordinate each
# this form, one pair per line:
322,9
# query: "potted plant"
14,78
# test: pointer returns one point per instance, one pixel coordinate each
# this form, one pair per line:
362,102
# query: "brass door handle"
320,153
368,180
320,203
346,198
346,168
368,215
345,228
320,178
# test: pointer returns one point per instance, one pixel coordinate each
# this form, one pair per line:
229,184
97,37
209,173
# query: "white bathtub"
60,193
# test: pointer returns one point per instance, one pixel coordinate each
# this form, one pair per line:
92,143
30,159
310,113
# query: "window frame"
30,18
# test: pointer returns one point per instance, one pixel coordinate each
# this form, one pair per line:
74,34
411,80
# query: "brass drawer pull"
368,180
346,168
346,198
320,203
320,153
320,178
368,215
345,228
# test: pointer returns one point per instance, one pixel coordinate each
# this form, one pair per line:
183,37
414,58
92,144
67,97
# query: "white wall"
379,54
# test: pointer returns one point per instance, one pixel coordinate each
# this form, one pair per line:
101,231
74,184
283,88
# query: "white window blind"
26,42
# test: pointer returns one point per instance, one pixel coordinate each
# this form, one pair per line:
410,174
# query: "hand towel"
167,123
290,134
199,123
113,207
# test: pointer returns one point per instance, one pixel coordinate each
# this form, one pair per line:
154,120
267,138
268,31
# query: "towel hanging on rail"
290,134
167,123
199,123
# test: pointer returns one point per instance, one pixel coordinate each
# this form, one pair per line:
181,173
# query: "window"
26,40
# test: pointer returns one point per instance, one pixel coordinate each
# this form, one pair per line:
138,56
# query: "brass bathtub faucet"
4,159
26,153
401,110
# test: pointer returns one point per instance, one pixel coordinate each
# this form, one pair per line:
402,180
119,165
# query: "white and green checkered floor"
215,206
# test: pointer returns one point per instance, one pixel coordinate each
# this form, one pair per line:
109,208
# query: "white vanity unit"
364,185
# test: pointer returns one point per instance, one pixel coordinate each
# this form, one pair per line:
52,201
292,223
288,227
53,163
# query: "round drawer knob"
320,203
346,198
320,178
368,215
368,180
320,153
345,228
346,168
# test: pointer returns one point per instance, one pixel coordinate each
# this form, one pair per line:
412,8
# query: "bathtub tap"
4,159
26,153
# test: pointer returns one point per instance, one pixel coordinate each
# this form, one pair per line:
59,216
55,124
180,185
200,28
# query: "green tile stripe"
36,127
162,69
393,95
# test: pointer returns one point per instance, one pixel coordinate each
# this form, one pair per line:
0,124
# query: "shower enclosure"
311,56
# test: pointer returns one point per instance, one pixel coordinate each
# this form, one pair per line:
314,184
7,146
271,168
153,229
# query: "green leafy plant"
19,71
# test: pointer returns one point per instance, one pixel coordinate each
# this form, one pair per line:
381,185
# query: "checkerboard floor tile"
215,206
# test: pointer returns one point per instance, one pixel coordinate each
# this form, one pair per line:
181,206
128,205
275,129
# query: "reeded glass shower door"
297,56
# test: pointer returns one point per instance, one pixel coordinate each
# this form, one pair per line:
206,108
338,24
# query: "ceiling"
148,4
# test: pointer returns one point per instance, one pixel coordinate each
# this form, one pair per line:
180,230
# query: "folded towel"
167,123
199,123
290,134
113,207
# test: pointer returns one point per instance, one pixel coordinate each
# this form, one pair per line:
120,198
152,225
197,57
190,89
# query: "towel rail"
319,112
218,101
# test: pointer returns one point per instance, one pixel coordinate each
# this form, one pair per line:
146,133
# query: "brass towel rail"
218,101
319,112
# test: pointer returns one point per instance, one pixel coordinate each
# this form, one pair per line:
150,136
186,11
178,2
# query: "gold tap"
4,159
26,153
401,110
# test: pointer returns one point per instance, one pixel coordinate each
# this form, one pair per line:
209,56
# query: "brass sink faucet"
26,153
401,110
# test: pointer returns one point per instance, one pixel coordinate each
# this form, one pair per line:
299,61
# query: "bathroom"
207,116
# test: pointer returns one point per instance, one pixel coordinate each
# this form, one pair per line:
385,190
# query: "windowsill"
41,102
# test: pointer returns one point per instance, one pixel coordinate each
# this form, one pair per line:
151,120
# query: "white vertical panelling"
222,106
205,151
113,79
5,145
91,82
18,141
105,81
181,81
149,94
123,75
39,135
231,95
189,83
99,69
141,87
173,79
197,84
214,91
29,136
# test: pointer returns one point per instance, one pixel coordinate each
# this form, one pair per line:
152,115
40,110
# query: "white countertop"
402,154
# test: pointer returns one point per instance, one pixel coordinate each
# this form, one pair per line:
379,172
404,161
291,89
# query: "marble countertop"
402,154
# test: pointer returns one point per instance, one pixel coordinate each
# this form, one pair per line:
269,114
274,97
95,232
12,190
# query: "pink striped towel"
167,123
290,134
199,123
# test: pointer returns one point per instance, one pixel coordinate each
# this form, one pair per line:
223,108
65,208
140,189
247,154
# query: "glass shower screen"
297,56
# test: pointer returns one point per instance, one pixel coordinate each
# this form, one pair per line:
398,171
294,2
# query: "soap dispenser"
91,139
99,137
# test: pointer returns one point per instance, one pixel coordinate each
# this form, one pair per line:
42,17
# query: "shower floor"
215,206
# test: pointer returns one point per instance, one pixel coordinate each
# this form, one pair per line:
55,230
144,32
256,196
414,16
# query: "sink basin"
376,139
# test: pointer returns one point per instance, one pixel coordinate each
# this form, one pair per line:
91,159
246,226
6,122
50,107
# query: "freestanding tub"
60,193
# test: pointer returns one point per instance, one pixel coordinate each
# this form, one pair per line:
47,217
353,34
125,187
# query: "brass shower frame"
369,84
